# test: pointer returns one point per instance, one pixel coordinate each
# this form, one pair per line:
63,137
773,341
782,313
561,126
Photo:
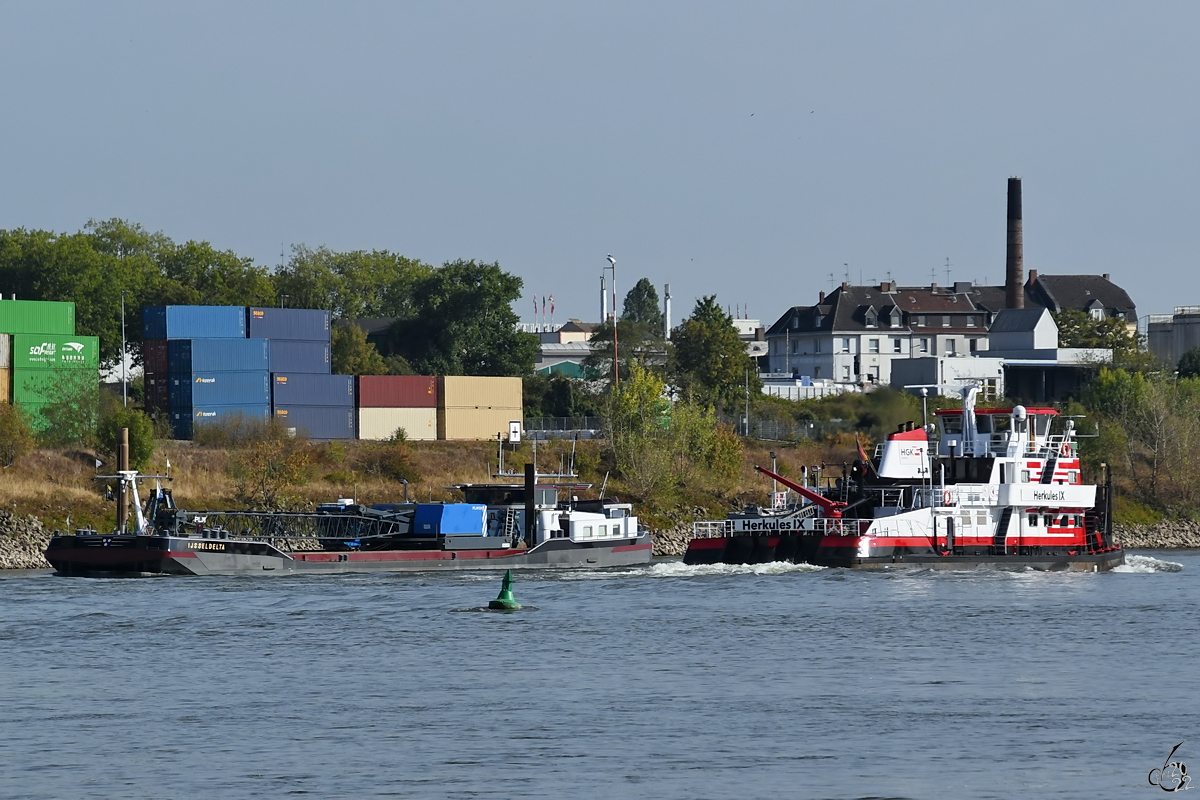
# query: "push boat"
497,526
991,487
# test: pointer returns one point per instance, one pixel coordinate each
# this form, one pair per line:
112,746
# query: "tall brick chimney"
1014,262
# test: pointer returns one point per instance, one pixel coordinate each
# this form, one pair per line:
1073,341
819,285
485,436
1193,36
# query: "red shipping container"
397,391
154,356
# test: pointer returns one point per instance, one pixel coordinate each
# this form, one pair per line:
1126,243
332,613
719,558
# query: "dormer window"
870,317
817,321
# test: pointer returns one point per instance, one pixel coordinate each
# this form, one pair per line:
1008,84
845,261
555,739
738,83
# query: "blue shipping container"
291,356
220,388
185,420
318,422
303,324
194,322
441,519
308,389
218,355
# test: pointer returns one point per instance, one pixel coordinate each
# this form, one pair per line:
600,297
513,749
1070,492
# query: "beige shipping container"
5,351
476,423
419,424
5,385
461,391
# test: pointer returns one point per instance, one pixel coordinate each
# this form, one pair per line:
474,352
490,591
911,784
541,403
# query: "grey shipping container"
308,389
220,388
218,355
289,356
302,324
185,420
318,422
194,322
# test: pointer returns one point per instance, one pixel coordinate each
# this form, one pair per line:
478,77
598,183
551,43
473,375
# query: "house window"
795,345
845,345
945,320
872,345
817,346
920,320
974,345
1097,313
816,372
924,345
970,320
895,344
846,373
950,347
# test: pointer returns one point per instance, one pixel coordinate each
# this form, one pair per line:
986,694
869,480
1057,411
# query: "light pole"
774,485
283,301
616,372
124,376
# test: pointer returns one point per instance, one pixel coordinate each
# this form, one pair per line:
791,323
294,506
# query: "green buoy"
504,601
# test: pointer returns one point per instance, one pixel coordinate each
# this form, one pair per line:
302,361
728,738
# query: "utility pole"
616,372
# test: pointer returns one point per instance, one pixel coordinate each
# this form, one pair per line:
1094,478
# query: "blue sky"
747,150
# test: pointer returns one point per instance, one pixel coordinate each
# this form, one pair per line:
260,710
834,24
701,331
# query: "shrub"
16,440
141,435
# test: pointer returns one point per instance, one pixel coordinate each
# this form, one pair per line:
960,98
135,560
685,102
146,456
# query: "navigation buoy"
504,601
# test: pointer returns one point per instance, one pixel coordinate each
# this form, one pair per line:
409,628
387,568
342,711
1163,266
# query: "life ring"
946,497
1065,449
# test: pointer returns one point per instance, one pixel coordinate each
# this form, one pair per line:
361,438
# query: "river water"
661,682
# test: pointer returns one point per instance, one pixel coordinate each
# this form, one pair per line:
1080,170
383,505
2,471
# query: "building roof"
1081,292
575,326
1017,320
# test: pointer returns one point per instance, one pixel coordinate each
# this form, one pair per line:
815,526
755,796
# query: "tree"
637,343
1189,364
265,467
463,323
1079,329
141,434
16,440
352,285
352,354
709,363
641,305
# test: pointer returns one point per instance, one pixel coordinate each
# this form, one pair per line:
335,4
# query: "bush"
16,440
141,435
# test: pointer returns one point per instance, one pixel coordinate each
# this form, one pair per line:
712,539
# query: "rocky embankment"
22,542
1167,534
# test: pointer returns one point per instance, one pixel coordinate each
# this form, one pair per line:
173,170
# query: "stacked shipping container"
41,357
201,367
387,403
477,407
304,395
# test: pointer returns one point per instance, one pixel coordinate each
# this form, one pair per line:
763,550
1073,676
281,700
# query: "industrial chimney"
1014,262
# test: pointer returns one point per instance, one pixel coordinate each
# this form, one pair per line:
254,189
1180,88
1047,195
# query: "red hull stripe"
627,548
706,544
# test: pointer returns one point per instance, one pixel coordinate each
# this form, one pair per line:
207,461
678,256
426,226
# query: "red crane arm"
830,507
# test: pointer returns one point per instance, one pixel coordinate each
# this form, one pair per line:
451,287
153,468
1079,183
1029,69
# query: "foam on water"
1136,563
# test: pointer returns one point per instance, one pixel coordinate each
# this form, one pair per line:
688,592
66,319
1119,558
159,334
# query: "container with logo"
318,422
397,391
194,322
218,355
418,424
220,388
36,316
55,351
301,324
309,389
185,420
288,356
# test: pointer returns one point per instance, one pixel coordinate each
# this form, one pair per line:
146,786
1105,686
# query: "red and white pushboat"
998,487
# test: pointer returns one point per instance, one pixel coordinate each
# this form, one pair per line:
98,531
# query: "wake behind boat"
497,526
1001,488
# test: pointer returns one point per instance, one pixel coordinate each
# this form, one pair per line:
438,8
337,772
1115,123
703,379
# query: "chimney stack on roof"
820,298
1014,262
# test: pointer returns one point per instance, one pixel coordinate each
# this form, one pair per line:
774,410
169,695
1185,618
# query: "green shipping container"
55,351
36,316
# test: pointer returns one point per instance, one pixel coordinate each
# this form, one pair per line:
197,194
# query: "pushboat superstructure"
497,526
996,487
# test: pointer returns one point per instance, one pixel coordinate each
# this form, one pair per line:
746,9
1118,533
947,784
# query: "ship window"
587,532
952,423
965,521
603,530
1065,521
1079,520
1041,424
981,519
1024,476
1049,520
983,423
1033,520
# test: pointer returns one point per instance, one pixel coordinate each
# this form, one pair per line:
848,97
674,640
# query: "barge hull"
140,556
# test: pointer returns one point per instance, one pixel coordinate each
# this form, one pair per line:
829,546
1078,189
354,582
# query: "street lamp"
616,373
283,301
124,376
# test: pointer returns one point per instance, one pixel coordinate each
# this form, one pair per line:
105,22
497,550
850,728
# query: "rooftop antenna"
831,280
947,270
847,266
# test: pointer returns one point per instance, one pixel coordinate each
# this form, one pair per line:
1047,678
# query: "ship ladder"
1000,542
510,526
1048,467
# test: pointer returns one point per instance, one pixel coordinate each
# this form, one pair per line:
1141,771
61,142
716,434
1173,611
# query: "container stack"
41,355
477,407
211,371
305,397
387,403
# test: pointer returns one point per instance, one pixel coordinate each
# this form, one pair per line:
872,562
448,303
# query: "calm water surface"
662,682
